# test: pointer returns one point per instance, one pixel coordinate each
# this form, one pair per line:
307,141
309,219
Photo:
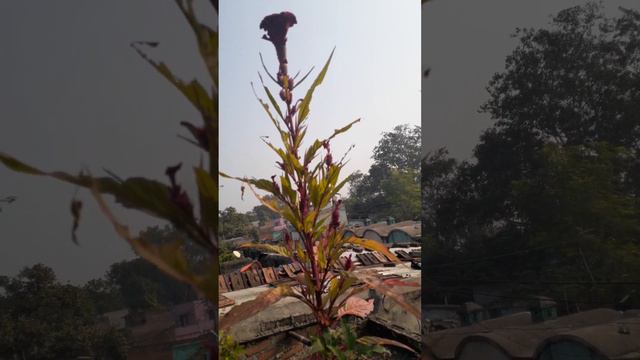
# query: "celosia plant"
308,183
169,202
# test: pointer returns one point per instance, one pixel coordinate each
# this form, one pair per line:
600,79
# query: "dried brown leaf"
252,307
379,286
371,340
357,307
76,207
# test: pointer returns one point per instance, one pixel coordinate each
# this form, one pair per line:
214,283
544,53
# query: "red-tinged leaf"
383,289
250,308
150,196
248,266
374,340
208,195
167,257
357,307
373,246
399,282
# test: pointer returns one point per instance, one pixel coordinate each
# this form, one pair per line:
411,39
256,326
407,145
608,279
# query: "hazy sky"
73,93
374,75
465,43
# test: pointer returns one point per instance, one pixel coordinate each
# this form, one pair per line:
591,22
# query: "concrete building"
591,335
268,334
179,333
398,233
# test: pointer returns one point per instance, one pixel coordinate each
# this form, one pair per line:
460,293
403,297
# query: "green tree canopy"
234,224
551,193
142,285
391,187
44,319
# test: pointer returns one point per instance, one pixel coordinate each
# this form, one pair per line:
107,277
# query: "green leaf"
193,90
278,151
383,289
262,184
207,39
311,152
208,194
168,257
339,187
271,98
280,250
303,78
288,190
18,166
303,111
149,196
337,132
295,163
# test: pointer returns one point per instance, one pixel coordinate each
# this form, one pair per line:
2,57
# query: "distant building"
598,334
236,241
178,333
356,223
268,334
397,233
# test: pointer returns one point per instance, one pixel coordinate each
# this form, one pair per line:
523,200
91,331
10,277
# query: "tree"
554,183
402,191
437,172
263,213
234,224
43,319
391,187
142,285
197,256
399,149
104,295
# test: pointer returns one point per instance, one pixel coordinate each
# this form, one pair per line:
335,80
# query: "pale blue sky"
374,75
